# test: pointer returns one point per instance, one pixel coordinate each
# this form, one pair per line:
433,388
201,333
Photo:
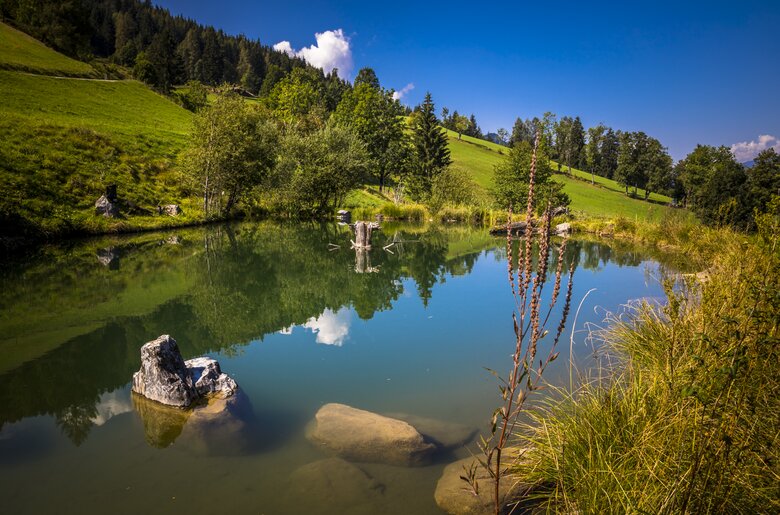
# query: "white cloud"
748,150
331,328
331,51
110,405
398,95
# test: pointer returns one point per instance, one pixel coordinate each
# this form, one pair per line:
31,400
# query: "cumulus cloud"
331,51
398,95
748,150
331,328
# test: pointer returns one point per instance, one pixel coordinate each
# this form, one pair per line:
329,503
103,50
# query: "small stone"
208,378
104,207
170,210
563,229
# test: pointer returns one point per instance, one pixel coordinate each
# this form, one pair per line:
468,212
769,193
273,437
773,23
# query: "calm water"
294,322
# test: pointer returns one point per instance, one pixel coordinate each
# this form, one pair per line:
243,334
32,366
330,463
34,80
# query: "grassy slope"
478,158
62,140
18,51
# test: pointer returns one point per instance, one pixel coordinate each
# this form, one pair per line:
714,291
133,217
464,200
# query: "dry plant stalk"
529,318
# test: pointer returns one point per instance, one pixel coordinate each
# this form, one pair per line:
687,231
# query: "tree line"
163,50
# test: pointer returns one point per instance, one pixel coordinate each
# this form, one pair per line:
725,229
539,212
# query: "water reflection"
71,325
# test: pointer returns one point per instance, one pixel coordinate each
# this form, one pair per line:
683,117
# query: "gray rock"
334,485
208,378
163,376
359,435
170,210
107,208
563,229
560,210
455,496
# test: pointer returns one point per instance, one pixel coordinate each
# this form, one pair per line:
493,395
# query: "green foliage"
193,96
454,188
317,170
643,163
688,421
511,177
298,102
374,116
714,187
233,148
431,152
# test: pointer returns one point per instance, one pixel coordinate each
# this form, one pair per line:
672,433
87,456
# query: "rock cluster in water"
166,378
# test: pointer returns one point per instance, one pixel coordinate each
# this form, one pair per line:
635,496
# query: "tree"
713,186
367,76
610,146
374,116
233,148
656,164
298,102
503,136
431,152
593,149
512,175
521,131
764,180
473,129
577,144
460,124
317,169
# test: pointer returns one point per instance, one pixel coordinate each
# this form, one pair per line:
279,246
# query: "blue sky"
683,72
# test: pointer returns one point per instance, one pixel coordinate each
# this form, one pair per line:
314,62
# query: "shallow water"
297,323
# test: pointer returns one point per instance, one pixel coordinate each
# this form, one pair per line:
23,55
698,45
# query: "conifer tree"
432,155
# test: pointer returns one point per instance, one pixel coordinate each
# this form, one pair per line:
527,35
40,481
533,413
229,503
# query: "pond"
299,321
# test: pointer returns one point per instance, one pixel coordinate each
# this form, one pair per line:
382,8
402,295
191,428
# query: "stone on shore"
563,229
334,485
104,207
455,496
359,435
170,210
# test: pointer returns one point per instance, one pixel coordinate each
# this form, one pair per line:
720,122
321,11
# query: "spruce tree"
432,155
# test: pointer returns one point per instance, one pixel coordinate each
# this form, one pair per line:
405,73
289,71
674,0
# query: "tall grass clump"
685,415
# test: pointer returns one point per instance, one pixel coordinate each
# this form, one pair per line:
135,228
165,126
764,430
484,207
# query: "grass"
63,140
478,158
685,415
20,52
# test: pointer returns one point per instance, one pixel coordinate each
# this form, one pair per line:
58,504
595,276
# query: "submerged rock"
359,435
334,485
455,496
447,436
163,376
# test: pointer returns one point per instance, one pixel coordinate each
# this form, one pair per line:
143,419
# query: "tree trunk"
363,235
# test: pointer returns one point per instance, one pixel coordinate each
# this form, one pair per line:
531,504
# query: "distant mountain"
748,164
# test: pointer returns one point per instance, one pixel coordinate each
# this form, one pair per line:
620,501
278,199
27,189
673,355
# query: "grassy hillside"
18,51
62,140
606,198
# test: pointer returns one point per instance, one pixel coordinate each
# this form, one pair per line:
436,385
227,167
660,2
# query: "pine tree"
432,155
